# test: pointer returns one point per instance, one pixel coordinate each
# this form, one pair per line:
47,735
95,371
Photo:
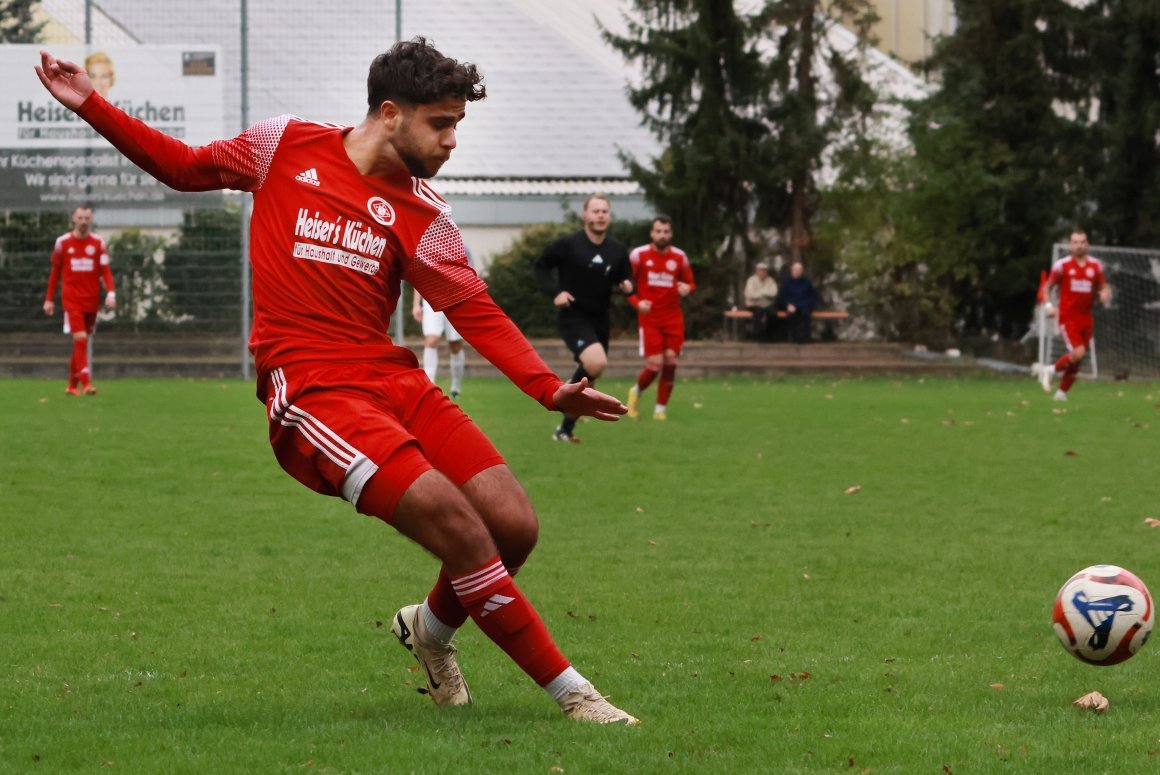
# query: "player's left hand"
110,300
684,289
579,400
1106,296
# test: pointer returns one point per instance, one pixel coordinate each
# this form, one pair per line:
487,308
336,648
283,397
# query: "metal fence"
178,260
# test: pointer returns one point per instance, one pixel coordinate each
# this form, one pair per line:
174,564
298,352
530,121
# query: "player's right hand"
67,81
417,313
49,307
563,299
644,307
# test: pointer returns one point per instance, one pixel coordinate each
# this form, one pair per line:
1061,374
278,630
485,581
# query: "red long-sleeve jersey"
329,246
1078,286
80,264
656,275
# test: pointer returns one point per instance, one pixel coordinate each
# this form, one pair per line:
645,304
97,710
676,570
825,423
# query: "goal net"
1126,341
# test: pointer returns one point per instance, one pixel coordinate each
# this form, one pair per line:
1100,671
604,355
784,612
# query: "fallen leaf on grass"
1093,701
997,686
1152,522
852,490
1071,453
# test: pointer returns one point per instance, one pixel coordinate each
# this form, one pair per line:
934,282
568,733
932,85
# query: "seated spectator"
797,299
760,298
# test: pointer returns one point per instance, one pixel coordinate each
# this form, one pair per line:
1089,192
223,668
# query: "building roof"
556,105
557,112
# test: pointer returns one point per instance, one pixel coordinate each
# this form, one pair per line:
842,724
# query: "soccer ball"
1103,615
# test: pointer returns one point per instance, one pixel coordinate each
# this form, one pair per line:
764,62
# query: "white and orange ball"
1103,615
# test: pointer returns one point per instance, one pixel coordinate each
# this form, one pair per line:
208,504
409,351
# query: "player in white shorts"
436,325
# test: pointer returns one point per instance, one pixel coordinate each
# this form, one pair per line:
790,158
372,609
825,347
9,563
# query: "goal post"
1126,341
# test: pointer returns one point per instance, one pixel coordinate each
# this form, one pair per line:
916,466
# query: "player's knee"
431,341
670,358
1078,352
80,336
653,362
455,346
463,532
520,535
595,364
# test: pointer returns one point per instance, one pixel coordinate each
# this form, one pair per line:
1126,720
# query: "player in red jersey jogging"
80,263
663,276
1080,279
341,216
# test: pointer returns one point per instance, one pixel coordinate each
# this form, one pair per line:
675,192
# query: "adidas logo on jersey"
308,176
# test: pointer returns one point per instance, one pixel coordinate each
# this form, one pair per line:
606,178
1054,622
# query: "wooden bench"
735,315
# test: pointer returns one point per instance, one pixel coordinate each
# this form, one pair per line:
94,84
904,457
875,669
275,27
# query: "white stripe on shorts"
359,468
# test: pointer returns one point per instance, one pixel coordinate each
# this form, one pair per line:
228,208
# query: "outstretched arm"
169,160
494,336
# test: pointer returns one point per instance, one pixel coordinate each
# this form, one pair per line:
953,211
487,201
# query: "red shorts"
334,426
1076,332
79,321
654,340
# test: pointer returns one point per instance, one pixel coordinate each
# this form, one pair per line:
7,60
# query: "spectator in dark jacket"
797,299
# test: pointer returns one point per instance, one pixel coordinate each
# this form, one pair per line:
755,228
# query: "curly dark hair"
413,72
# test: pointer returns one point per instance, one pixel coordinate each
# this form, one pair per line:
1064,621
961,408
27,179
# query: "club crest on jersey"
381,210
671,265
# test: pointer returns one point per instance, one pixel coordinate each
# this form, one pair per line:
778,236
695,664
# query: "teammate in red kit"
80,263
341,216
663,276
1080,278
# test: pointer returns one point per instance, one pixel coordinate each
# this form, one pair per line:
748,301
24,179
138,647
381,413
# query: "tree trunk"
807,89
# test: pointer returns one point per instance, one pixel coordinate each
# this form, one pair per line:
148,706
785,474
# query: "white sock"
431,362
565,682
435,628
458,363
658,408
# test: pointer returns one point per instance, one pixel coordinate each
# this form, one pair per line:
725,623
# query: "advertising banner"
49,157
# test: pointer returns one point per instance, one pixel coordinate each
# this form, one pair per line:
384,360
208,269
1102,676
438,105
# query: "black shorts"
579,330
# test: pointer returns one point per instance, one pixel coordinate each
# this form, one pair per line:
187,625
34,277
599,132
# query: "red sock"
496,604
80,360
1063,363
444,603
645,378
72,368
665,389
1069,377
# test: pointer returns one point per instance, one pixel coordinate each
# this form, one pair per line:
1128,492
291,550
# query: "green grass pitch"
170,601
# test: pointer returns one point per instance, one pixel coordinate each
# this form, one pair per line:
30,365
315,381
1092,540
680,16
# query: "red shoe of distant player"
90,390
71,391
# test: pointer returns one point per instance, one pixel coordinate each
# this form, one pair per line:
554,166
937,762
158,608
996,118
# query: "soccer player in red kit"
1080,278
80,263
663,276
341,216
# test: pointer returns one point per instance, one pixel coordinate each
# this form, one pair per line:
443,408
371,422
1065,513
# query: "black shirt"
586,270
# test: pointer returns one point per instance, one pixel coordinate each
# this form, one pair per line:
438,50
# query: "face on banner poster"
50,157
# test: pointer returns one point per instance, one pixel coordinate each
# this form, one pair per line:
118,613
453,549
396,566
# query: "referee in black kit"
578,272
